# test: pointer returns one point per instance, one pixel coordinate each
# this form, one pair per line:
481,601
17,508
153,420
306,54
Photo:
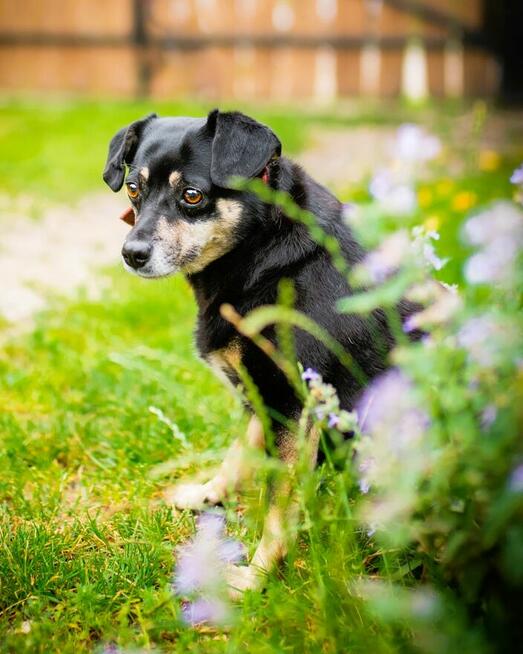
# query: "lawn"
105,403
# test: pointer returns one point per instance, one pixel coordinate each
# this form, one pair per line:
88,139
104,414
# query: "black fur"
266,246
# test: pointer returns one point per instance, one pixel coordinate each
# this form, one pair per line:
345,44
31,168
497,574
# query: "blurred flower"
348,209
413,144
488,416
499,233
517,176
365,469
387,411
485,338
489,160
424,197
200,562
381,184
325,403
464,200
200,569
310,375
393,427
213,610
401,201
443,302
516,479
432,223
423,244
396,198
381,263
444,187
502,219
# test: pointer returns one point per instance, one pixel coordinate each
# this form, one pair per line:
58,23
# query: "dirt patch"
341,157
58,253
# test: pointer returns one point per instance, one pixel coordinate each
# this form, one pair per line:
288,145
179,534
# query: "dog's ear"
121,151
241,146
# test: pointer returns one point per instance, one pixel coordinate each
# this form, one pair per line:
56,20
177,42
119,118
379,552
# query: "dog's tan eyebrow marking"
175,177
144,172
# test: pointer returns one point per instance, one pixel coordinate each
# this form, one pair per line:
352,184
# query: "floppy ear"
121,150
241,146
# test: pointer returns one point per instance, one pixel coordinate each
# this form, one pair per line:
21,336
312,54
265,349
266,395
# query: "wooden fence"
250,49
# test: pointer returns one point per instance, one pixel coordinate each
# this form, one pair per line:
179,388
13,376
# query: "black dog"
234,249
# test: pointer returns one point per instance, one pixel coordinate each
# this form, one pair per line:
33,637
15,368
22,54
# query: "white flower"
414,144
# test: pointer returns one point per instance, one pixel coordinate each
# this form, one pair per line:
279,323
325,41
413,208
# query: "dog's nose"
136,253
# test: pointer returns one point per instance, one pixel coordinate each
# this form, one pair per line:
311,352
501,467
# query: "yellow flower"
444,187
464,201
424,197
432,223
489,160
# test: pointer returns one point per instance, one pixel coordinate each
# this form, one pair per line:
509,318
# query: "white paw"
192,496
242,578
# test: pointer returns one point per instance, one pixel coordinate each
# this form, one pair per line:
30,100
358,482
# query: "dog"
234,249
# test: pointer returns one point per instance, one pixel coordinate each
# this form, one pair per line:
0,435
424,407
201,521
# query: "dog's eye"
192,196
132,190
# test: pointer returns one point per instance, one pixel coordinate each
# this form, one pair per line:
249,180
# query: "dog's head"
178,174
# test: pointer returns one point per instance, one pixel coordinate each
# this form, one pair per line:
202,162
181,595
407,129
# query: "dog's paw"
242,578
192,496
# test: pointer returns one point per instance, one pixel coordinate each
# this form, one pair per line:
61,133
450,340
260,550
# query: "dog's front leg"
235,468
280,523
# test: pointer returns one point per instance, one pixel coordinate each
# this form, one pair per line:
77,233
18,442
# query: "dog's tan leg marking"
235,468
280,523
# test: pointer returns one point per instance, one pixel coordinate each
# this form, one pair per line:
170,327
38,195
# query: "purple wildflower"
200,563
381,184
396,198
387,258
493,264
498,233
481,337
365,469
348,210
409,325
334,420
387,409
517,176
204,610
516,479
310,375
488,416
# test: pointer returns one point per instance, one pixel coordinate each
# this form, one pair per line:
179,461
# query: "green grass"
86,543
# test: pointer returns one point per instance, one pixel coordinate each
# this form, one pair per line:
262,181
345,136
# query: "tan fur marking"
144,172
175,177
196,244
226,359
